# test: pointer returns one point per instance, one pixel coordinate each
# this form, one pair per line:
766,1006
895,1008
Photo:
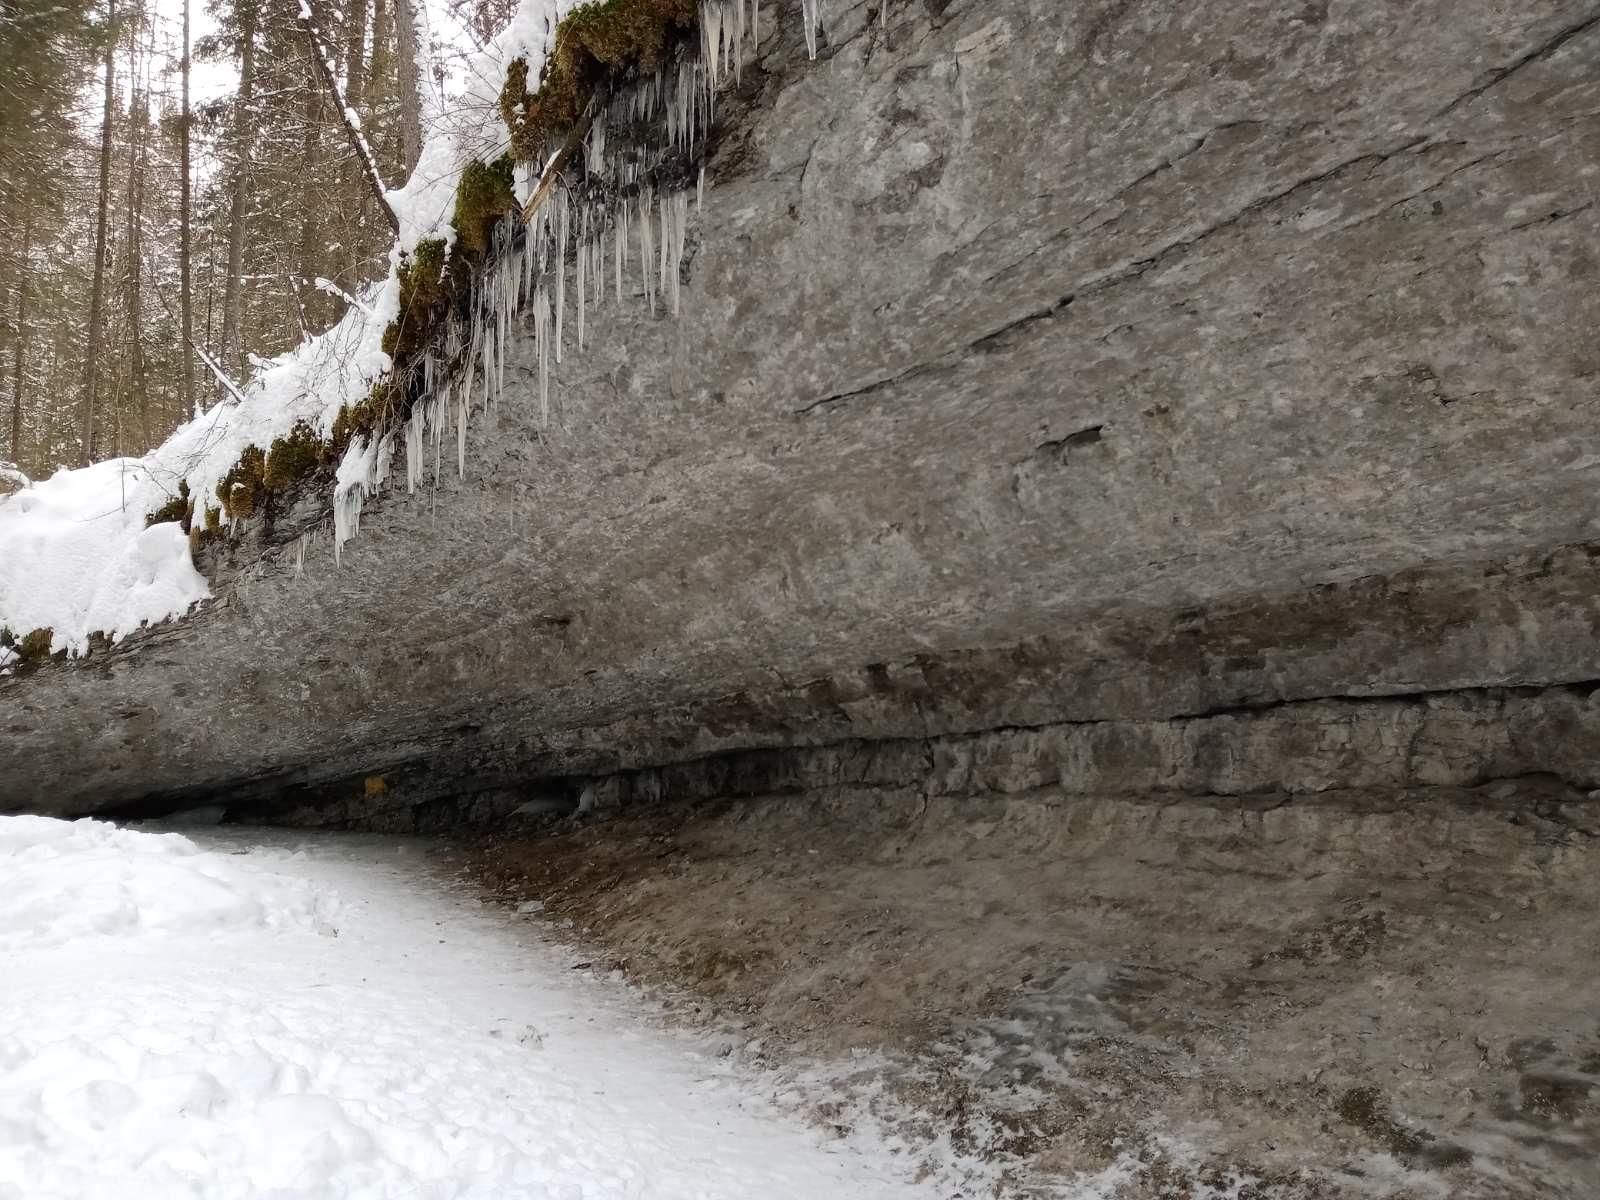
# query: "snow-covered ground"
326,1019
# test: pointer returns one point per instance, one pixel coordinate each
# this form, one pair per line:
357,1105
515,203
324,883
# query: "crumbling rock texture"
1095,367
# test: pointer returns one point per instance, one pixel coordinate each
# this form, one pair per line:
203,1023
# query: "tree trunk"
244,122
19,342
309,257
91,372
409,84
317,48
132,283
355,53
185,216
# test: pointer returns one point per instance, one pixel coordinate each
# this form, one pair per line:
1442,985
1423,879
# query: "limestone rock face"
1041,363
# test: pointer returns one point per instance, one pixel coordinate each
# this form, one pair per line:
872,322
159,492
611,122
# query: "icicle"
300,557
622,246
385,459
437,421
811,11
680,237
414,448
508,301
541,333
583,276
461,428
361,473
711,18
562,218
666,240
700,191
646,249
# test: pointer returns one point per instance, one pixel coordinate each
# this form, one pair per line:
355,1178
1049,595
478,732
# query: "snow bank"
68,880
75,555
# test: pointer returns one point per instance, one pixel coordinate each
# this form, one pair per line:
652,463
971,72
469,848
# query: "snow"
229,1021
75,556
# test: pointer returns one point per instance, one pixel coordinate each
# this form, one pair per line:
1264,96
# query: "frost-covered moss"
427,281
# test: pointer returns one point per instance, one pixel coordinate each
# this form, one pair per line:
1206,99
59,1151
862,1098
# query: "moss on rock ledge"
483,197
243,490
32,649
592,45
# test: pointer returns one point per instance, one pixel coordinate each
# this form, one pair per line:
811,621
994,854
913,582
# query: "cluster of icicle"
361,473
611,227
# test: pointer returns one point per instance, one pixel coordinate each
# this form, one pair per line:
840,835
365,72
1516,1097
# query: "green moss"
243,489
290,459
382,402
213,519
427,284
592,45
178,508
483,196
514,101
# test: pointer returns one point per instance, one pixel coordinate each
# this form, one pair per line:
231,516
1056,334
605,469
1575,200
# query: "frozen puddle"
322,1018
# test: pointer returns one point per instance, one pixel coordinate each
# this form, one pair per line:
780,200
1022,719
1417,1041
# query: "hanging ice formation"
624,194
361,473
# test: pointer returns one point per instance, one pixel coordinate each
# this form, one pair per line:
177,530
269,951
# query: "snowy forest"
168,221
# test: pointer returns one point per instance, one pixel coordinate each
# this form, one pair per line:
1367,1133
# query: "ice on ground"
327,1023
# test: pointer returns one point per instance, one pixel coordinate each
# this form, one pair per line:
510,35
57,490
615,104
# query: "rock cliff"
1180,396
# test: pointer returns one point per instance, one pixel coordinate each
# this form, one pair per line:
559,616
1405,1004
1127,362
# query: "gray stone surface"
1042,363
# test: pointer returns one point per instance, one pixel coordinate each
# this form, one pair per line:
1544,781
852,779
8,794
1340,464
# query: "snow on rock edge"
75,556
